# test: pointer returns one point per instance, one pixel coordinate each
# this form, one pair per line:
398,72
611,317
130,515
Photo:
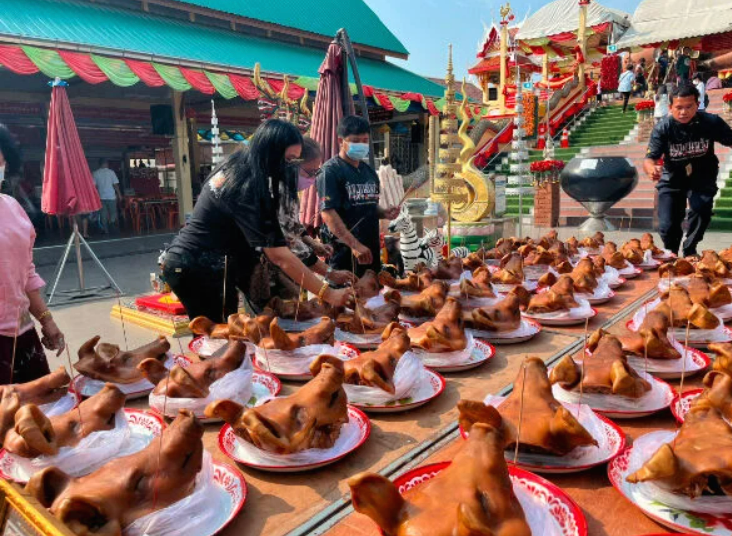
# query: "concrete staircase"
722,219
607,126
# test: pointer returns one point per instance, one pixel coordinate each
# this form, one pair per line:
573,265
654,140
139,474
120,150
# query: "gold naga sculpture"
288,109
466,192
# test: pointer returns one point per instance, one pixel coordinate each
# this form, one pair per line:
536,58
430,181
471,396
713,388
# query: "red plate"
568,516
682,403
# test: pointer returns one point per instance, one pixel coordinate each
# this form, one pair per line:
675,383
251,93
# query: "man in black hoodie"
681,158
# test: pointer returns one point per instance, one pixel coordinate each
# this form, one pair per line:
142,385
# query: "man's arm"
656,148
338,228
117,191
387,213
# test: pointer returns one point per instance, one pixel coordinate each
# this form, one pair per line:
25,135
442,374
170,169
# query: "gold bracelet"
43,315
325,287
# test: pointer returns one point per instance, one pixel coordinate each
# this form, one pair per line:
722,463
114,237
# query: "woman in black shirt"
234,221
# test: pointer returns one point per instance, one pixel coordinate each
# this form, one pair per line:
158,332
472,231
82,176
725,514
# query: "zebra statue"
434,241
409,244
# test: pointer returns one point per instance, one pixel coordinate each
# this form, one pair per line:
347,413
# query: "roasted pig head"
473,261
426,303
511,271
548,427
194,380
713,295
698,460
469,289
473,496
376,368
522,294
446,333
371,321
449,269
651,339
677,268
607,372
482,278
502,317
712,264
612,256
128,488
411,283
321,333
559,297
239,326
646,243
547,280
678,306
35,434
367,286
106,362
718,392
539,256
297,310
572,246
310,418
723,362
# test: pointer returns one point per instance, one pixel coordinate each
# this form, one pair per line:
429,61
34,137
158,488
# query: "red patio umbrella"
68,186
327,113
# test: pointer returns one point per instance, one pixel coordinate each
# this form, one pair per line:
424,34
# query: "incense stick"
226,273
683,365
521,412
15,345
71,371
299,295
122,319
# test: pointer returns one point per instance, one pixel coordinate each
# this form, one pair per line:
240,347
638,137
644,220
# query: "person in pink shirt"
20,286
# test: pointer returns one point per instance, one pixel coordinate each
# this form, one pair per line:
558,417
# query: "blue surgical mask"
357,151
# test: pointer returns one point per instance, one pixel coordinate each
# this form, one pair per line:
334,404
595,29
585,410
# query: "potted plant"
546,172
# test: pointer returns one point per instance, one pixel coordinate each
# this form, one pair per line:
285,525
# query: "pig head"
106,362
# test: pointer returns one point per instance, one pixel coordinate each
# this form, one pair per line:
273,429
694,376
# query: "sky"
426,27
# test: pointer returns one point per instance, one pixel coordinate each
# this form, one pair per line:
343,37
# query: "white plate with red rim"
566,319
89,387
648,266
617,283
368,341
528,330
611,445
666,255
204,347
482,351
67,402
264,387
419,396
659,398
696,339
144,426
233,484
682,403
247,454
630,273
678,520
505,288
531,490
598,298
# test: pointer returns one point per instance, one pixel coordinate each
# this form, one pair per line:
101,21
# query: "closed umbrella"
68,186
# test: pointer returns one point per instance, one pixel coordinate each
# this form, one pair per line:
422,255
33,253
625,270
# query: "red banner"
198,80
145,72
15,59
244,87
84,66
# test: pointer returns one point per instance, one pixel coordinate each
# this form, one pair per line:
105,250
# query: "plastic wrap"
212,347
628,270
646,446
349,437
602,292
532,272
506,288
291,325
92,387
580,456
64,404
292,361
538,516
655,399
409,374
90,453
358,339
469,303
663,283
611,276
236,386
696,336
202,512
583,311
526,329
446,359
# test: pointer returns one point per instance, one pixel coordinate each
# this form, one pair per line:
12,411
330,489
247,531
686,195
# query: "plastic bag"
586,455
531,286
655,399
696,336
202,512
212,347
92,387
236,386
628,270
292,361
646,446
349,437
526,329
611,276
444,359
59,407
409,373
89,454
291,325
358,339
601,292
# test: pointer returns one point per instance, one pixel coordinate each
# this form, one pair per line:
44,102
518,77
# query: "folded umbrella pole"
68,190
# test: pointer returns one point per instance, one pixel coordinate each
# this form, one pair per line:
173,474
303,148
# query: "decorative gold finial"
449,58
505,12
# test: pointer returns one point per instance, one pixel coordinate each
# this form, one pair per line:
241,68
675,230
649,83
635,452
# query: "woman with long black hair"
235,221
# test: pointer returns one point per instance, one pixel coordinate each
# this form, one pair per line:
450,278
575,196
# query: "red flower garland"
609,73
645,106
545,166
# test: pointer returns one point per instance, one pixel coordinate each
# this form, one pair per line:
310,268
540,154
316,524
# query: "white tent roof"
656,21
563,16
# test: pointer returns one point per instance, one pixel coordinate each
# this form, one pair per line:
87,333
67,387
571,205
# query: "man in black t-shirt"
349,201
681,158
